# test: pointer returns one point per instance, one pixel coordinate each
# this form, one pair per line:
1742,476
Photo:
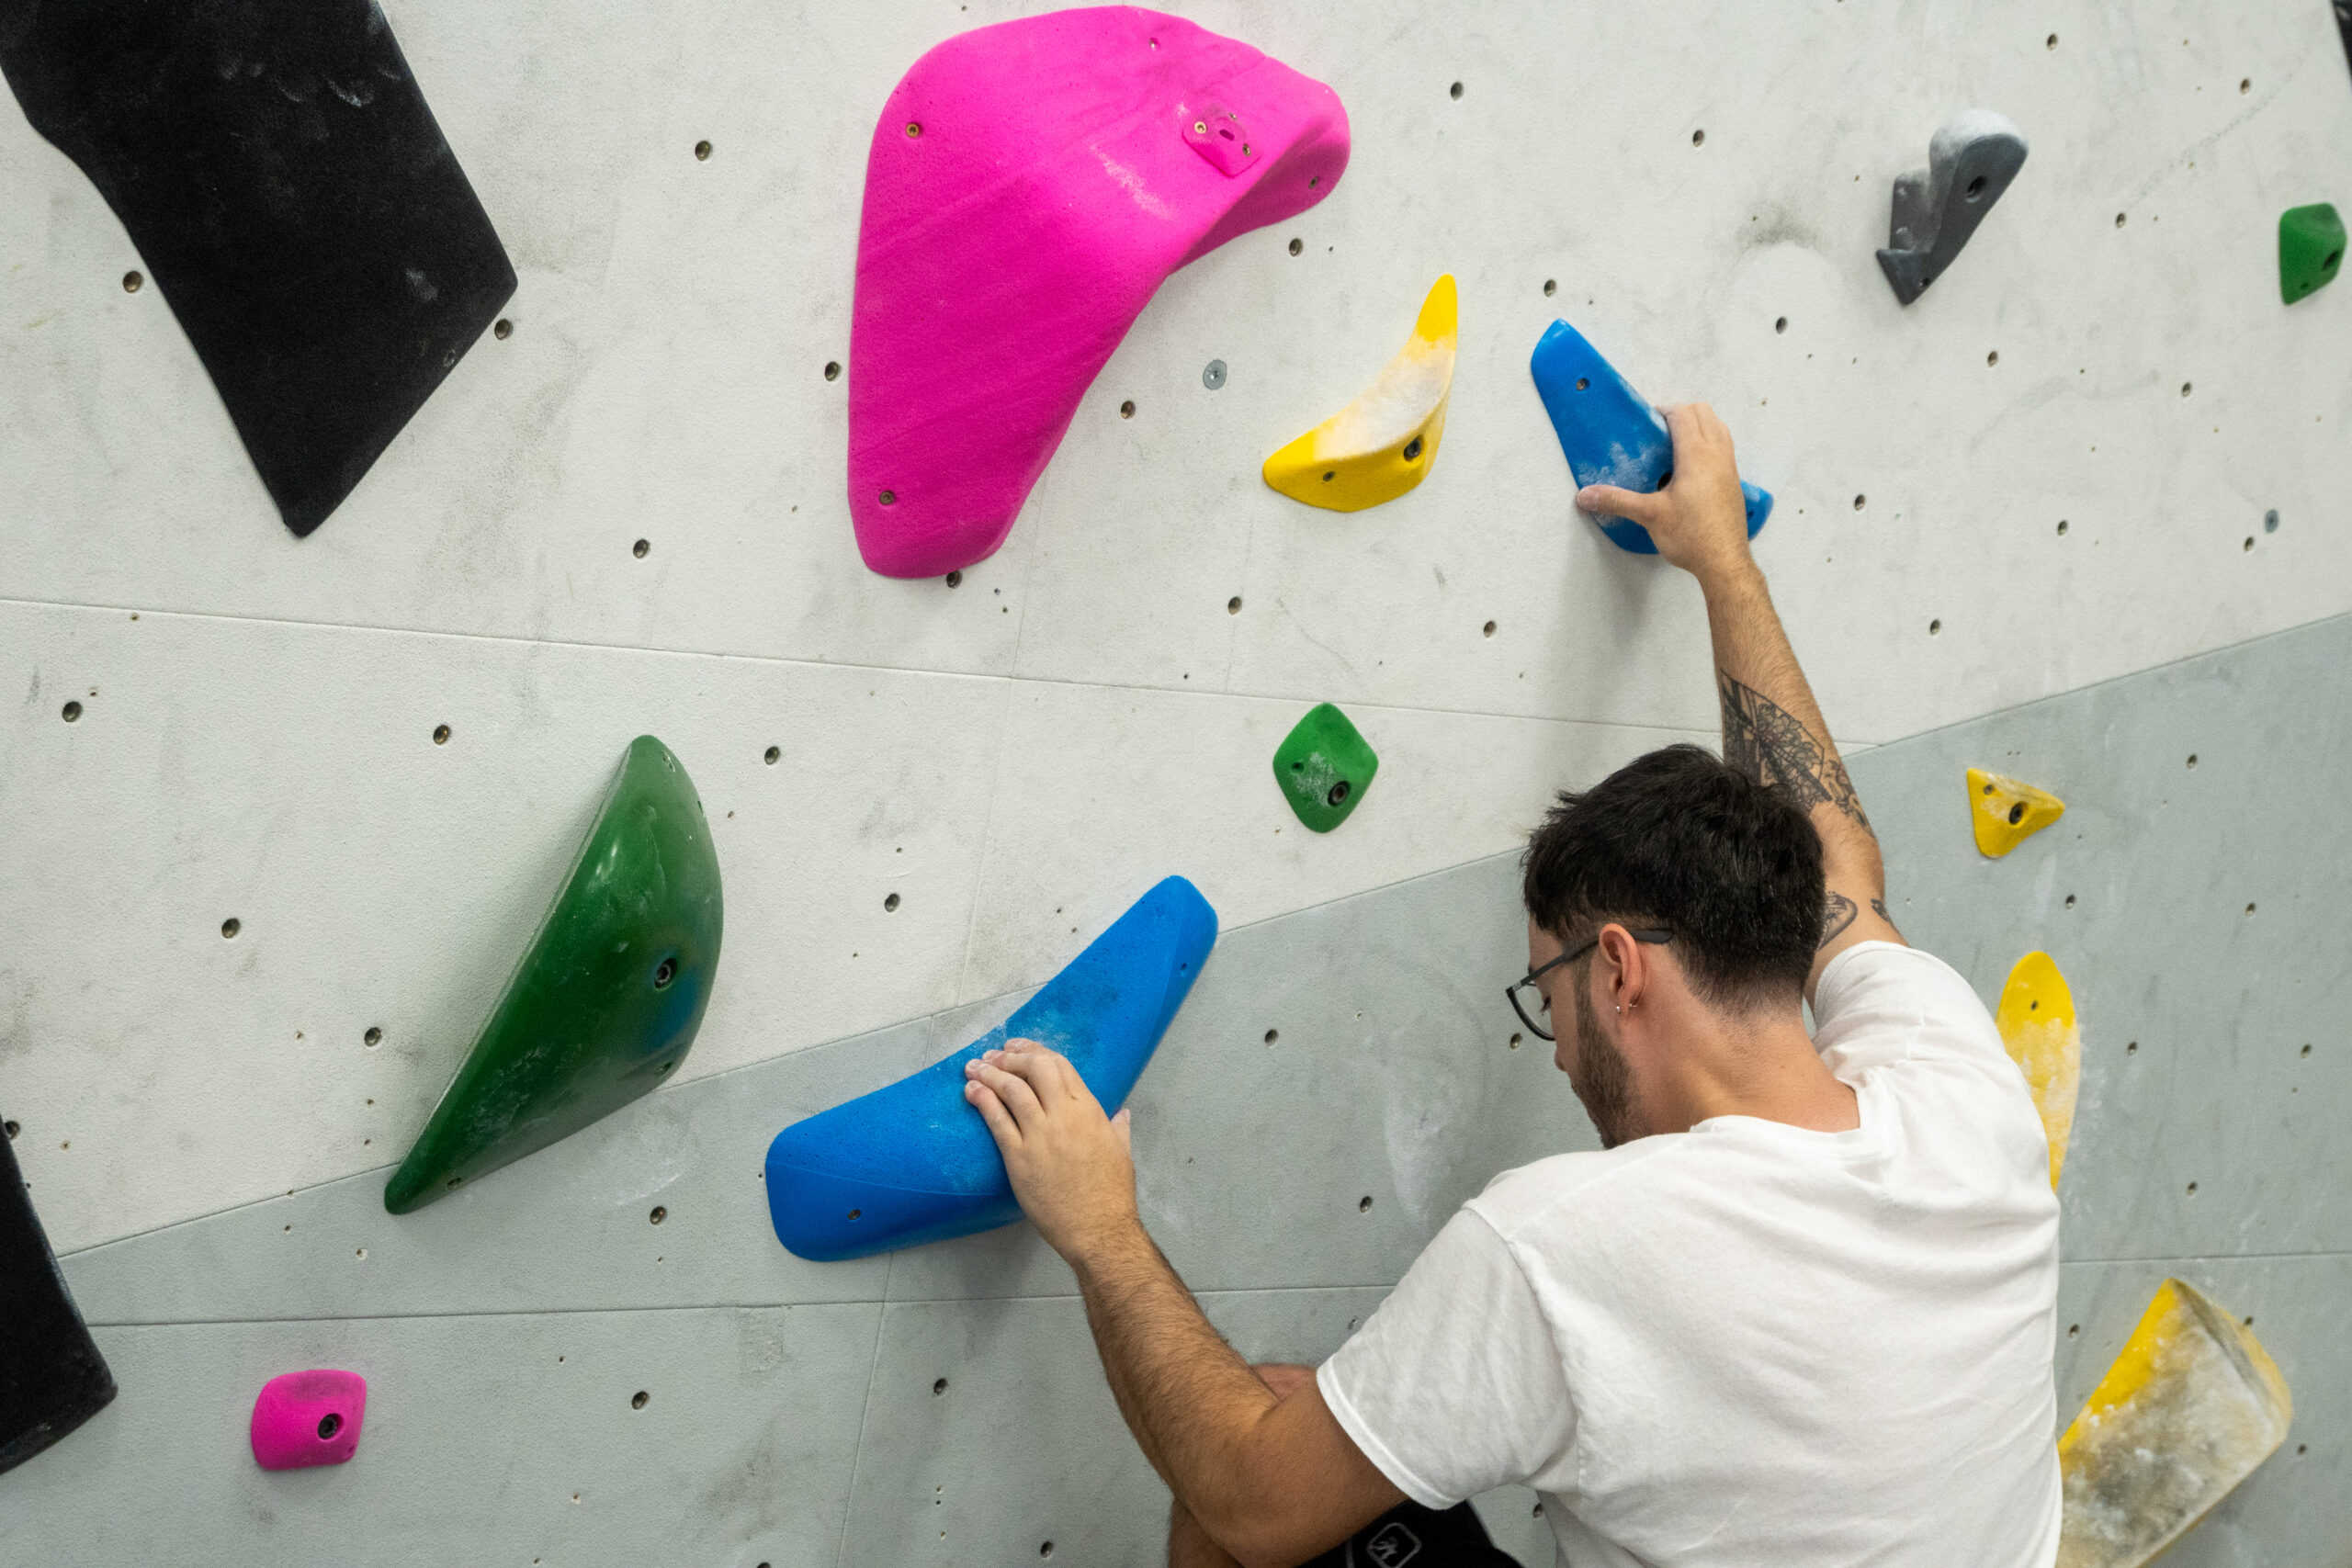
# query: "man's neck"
1765,1066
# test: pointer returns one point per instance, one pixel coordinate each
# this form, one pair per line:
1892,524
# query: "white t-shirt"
1751,1344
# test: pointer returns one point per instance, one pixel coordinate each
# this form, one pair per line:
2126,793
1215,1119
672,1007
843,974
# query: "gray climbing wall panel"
945,1406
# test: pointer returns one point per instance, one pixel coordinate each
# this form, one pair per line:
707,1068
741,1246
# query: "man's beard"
1602,1081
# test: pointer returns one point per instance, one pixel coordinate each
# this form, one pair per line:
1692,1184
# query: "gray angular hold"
1969,163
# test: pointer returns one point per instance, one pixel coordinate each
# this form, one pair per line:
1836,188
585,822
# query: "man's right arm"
1773,731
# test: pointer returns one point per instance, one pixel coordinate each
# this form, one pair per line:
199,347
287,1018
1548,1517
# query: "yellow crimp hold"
1382,445
2037,1022
2006,812
2187,1412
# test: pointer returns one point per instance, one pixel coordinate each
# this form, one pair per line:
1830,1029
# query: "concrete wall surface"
2021,525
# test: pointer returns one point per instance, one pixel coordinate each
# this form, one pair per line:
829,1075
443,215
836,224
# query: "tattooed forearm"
1764,741
1836,918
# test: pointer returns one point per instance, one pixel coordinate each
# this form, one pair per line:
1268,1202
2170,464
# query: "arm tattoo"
1835,919
1764,741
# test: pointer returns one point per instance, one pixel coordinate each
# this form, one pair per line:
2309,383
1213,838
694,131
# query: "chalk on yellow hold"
2187,1412
2037,1022
1382,445
2006,812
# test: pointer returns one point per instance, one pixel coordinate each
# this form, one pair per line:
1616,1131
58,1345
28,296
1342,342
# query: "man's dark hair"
1678,840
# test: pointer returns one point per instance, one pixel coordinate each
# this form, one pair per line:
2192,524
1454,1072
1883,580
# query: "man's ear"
1625,968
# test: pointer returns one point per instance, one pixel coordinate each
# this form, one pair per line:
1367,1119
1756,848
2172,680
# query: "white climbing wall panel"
2053,470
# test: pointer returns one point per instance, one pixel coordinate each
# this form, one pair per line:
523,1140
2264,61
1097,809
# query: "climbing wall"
286,811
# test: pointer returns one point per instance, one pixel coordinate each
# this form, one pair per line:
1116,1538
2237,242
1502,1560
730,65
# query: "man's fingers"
1014,1091
1609,500
982,1099
1047,1073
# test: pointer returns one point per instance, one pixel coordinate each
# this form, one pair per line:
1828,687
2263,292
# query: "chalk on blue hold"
914,1163
1609,433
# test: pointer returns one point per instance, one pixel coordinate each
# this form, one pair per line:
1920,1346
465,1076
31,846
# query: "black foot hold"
284,183
1970,163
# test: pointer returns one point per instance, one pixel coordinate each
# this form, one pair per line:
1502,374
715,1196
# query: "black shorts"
1424,1538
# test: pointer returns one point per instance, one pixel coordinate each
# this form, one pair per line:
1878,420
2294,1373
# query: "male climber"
1798,1308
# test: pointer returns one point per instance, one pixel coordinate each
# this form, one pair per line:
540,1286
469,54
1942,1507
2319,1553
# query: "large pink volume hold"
1029,185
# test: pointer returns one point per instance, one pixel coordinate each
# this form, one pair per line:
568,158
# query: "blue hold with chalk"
1609,433
914,1163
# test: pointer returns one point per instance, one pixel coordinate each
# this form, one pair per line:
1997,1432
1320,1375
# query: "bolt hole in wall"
938,1387
502,329
133,282
1698,139
231,926
1780,325
890,903
70,712
13,1128
1127,408
1454,91
641,549
637,1400
1045,1549
1861,501
657,1214
771,755
2070,900
1488,630
374,1036
1274,1034
832,369
1296,246
1363,1206
1935,629
440,734
1233,606
1993,357
2062,528
702,151
955,579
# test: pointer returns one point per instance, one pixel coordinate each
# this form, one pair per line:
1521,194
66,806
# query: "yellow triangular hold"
2006,812
2187,1412
2037,1022
1382,445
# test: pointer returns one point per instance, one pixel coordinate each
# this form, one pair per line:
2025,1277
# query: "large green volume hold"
606,1003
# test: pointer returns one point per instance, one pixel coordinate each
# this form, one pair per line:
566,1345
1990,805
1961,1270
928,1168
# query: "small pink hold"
305,1418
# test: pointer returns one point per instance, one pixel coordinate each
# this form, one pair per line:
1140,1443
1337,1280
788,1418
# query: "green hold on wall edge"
2311,250
1324,766
605,1004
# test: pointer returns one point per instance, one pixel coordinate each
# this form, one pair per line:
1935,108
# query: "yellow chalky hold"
2006,811
2189,1408
2037,1022
1382,445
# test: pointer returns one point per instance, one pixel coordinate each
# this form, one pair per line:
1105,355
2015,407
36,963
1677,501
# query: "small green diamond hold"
2311,249
1324,767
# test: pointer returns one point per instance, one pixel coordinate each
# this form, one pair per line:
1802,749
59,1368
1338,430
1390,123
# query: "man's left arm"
1273,1481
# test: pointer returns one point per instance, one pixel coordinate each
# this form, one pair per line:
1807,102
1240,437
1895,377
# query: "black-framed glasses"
1533,1004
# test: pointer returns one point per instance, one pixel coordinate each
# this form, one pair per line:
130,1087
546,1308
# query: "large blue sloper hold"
1609,433
914,1163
